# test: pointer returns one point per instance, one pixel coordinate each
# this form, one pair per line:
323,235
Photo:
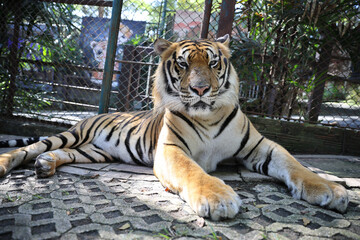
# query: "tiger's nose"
200,90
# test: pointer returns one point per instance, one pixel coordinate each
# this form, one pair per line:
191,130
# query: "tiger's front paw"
319,191
213,198
45,165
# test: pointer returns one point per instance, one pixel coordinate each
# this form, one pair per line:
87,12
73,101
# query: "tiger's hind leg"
46,163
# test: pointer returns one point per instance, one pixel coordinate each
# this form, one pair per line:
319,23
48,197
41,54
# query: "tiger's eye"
213,63
182,64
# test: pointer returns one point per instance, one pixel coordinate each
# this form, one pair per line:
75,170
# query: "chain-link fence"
300,60
296,61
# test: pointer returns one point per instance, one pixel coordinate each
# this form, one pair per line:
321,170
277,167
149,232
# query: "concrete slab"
340,166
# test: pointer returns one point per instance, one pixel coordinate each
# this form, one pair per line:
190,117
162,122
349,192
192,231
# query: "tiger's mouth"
199,107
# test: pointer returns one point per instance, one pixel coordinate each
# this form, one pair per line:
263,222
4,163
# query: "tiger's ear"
224,40
161,45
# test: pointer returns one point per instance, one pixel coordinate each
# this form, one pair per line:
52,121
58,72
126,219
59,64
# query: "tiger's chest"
206,143
210,154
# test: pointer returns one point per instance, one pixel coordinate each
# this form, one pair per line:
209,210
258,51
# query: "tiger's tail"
21,142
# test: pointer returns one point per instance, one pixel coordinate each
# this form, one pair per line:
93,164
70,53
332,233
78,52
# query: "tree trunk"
315,100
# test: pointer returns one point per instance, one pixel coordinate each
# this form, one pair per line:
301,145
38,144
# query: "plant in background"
44,33
285,48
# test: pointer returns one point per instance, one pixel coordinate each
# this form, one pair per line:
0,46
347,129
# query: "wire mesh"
297,62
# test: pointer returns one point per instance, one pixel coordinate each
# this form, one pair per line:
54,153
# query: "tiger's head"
195,76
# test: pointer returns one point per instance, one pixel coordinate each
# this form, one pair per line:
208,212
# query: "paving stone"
73,170
352,182
227,176
130,168
265,188
143,177
91,166
248,176
119,175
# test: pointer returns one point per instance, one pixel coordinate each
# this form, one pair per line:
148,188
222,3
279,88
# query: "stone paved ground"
117,201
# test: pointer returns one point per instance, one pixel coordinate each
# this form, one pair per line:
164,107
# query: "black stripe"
167,86
174,56
115,127
201,125
20,143
265,165
152,140
110,133
98,126
257,144
168,66
139,150
4,144
72,157
107,159
143,121
184,42
174,145
26,153
63,139
127,145
174,126
48,144
186,50
227,83
188,122
217,122
157,129
179,137
33,140
111,121
97,147
225,75
145,132
190,44
76,136
244,140
86,155
82,126
89,130
131,119
242,130
118,139
227,121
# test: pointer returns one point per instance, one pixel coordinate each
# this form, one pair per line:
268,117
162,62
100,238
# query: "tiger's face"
195,76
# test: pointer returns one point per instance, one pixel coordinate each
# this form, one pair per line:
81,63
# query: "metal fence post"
226,17
163,19
110,56
206,19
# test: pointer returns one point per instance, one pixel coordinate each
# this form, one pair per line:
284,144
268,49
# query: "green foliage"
334,92
47,34
278,45
353,96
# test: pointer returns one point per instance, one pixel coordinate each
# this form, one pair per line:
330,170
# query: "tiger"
196,123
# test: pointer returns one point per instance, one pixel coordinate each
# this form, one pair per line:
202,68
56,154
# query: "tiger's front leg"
273,160
208,196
